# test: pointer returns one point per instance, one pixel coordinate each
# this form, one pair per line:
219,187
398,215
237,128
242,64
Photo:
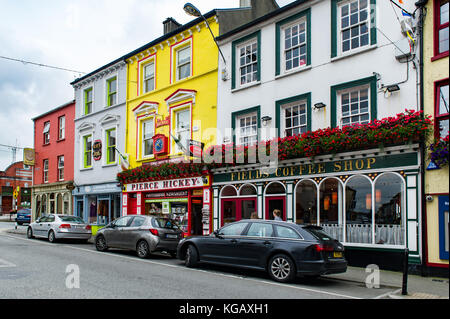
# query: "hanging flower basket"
439,152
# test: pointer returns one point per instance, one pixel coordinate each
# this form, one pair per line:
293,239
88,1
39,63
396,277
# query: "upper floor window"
46,132
294,118
353,25
60,168
45,171
246,61
61,127
149,77
111,146
354,102
441,109
147,133
87,151
441,27
88,98
111,86
247,129
183,63
182,128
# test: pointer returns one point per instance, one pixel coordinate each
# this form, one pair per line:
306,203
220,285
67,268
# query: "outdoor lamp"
192,10
393,88
266,119
319,105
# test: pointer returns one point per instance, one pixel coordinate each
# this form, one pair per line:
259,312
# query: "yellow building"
436,99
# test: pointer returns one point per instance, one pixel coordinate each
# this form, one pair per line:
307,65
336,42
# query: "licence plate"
172,236
337,254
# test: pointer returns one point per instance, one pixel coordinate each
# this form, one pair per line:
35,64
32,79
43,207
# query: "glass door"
275,203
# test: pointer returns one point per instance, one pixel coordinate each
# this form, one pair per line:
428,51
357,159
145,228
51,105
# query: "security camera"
429,198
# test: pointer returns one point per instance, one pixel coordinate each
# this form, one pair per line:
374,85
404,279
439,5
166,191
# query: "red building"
16,175
53,171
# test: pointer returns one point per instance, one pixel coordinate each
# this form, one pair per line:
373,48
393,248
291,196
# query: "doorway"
275,202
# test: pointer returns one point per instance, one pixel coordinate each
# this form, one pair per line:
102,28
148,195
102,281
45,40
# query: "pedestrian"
277,215
254,215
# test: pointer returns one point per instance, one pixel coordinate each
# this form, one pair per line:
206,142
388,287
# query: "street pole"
405,272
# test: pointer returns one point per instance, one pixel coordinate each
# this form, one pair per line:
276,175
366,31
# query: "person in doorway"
277,215
254,215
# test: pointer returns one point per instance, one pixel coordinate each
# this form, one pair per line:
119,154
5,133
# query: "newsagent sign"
182,183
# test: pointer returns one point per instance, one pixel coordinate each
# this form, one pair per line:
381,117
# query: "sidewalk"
418,287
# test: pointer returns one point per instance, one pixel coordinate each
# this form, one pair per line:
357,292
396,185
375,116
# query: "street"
34,268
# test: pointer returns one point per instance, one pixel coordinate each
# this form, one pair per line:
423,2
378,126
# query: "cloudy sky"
79,35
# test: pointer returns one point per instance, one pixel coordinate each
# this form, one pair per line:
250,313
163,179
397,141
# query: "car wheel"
51,236
281,268
30,233
142,249
100,243
191,259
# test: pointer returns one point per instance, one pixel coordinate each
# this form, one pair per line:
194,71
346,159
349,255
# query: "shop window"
247,190
443,227
248,207
229,211
441,112
59,204
358,206
38,206
331,207
389,196
275,189
66,203
228,191
52,199
44,205
305,202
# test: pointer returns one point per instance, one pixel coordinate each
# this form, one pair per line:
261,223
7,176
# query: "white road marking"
199,270
387,294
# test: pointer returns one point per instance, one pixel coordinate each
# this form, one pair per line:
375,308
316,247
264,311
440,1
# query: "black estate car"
283,249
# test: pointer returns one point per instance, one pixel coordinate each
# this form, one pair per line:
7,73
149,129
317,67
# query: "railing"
362,233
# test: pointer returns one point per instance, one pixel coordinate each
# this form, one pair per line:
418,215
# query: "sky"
79,35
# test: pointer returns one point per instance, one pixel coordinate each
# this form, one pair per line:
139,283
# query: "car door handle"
233,241
267,243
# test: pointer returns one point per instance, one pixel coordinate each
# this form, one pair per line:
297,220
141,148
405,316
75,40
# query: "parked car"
23,216
141,233
55,226
283,249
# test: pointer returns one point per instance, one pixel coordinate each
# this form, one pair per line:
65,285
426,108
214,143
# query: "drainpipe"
421,7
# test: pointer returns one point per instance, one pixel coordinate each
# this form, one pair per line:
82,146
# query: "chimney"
244,3
170,24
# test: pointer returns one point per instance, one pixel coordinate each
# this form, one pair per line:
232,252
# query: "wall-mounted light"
392,88
319,106
266,119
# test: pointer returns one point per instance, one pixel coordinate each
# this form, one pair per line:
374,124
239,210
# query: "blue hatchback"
23,216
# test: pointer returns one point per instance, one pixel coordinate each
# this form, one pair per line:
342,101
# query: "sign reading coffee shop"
97,150
342,166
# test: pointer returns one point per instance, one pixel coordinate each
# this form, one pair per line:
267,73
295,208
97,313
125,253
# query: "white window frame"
298,22
46,133
142,122
60,169
339,110
62,127
152,78
45,170
283,108
254,73
177,66
349,27
238,128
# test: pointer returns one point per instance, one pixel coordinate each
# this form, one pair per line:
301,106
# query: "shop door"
132,205
276,202
237,209
197,218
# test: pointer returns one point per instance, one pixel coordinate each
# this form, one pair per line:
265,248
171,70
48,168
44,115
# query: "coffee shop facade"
368,200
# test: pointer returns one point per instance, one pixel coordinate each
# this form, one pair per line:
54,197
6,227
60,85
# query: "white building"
308,66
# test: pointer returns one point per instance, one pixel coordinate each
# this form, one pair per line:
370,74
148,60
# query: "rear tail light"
66,226
154,232
322,247
88,227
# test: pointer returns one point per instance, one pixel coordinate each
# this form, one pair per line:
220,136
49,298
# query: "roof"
53,110
262,18
150,44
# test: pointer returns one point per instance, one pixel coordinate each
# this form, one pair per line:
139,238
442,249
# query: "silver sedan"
141,233
54,227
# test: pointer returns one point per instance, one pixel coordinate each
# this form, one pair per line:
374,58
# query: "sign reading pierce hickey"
182,183
342,166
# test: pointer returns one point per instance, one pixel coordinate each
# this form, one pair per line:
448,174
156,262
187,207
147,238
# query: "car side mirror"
217,234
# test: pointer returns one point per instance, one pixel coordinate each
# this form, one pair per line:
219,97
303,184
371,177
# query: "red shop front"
186,200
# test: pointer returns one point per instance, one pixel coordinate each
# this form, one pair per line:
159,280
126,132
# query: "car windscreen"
318,232
165,223
71,219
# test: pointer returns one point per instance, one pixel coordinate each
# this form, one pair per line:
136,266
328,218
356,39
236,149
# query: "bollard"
405,273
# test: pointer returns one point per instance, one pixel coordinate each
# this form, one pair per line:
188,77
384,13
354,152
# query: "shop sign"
97,150
29,156
342,166
160,144
164,122
166,194
190,182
